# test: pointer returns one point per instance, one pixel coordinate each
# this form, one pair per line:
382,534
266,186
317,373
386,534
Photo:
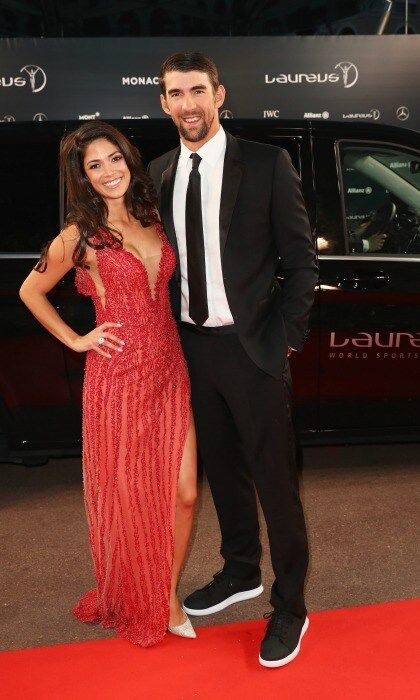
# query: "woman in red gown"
139,453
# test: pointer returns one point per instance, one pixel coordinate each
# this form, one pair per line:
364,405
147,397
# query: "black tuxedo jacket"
262,219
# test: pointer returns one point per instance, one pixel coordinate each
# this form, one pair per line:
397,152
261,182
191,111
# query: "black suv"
357,378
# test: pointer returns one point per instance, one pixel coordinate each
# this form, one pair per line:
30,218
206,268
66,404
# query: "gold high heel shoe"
185,629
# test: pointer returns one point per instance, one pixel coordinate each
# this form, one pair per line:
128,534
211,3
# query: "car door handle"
363,282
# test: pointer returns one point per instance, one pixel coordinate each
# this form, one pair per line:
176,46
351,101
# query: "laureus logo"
349,71
346,72
36,75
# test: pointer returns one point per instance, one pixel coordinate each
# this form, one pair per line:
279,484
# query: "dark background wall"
90,18
328,78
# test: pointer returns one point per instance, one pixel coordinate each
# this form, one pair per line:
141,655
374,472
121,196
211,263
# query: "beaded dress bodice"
135,291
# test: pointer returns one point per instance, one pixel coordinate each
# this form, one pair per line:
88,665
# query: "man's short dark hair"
185,62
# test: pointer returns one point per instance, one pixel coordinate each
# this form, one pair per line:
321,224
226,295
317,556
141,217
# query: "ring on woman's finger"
100,340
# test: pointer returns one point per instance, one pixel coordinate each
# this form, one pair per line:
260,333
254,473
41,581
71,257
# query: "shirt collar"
210,152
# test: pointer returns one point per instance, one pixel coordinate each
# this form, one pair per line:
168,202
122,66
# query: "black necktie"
196,266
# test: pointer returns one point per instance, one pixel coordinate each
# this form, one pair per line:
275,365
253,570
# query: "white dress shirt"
211,172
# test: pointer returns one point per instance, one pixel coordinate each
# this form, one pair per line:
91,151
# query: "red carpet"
359,653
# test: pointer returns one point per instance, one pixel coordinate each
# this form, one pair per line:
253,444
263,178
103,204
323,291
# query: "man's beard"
199,136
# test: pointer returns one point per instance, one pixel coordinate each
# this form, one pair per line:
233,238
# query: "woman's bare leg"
186,497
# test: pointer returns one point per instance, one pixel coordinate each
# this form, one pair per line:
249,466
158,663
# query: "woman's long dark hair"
85,207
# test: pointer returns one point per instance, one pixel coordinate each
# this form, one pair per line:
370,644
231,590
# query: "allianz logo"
359,190
316,115
140,80
347,74
377,340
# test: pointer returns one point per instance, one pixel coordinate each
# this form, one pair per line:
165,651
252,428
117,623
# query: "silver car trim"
406,258
8,256
375,258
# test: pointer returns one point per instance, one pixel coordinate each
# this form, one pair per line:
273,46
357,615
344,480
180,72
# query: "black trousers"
246,443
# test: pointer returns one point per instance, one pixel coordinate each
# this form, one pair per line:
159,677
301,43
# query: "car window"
381,200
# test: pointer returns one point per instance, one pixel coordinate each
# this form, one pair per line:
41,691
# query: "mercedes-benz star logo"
37,77
40,117
350,73
375,113
403,113
226,114
8,118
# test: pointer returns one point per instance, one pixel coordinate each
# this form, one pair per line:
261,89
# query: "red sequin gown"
136,412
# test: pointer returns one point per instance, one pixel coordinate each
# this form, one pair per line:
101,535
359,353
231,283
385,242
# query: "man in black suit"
231,209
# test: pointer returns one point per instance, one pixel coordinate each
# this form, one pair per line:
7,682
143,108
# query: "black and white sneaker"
223,591
281,643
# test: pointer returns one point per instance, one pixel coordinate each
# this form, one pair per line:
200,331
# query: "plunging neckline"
153,292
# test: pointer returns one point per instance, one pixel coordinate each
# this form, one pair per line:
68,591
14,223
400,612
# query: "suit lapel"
166,195
232,174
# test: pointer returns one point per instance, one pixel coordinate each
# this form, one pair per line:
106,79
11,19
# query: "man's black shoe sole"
235,598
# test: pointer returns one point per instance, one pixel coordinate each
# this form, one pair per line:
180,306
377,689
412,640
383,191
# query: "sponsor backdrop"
360,78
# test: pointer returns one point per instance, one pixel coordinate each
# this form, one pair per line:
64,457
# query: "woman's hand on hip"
98,340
